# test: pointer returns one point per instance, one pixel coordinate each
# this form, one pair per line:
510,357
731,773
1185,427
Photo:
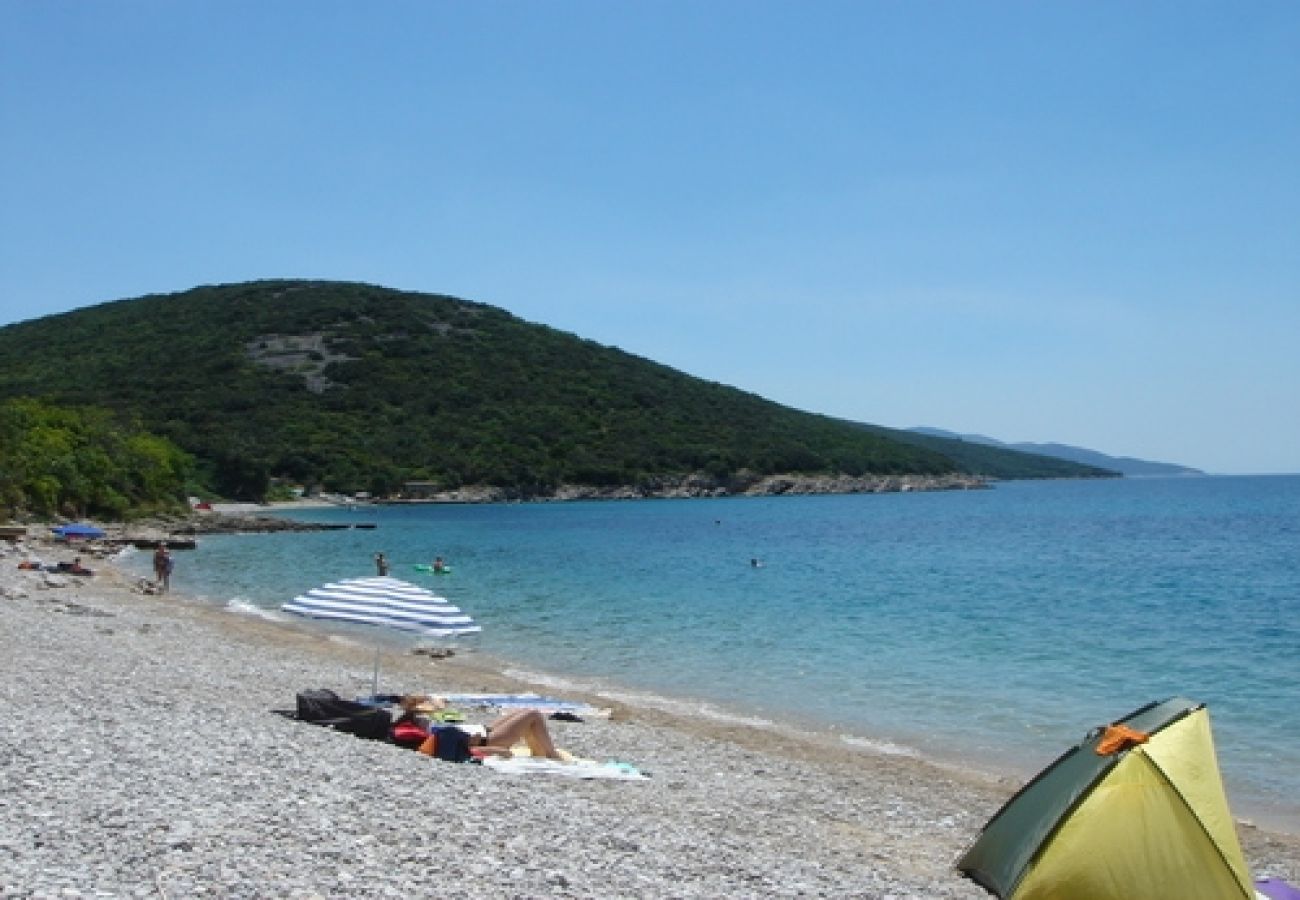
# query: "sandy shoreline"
143,758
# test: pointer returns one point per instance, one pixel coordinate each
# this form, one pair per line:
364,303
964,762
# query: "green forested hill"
356,387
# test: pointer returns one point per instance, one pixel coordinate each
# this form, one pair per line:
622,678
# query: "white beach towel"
526,701
576,768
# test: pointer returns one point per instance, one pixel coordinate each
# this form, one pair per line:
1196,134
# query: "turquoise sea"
993,626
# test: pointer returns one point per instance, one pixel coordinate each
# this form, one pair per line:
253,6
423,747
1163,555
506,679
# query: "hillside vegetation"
75,462
356,387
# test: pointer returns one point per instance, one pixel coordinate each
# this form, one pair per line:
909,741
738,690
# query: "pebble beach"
143,757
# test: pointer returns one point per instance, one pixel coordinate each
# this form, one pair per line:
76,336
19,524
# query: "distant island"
240,391
1125,465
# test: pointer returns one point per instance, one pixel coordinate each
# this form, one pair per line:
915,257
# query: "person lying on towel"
413,729
73,568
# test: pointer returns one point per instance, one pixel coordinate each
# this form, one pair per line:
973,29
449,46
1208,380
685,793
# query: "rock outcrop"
701,485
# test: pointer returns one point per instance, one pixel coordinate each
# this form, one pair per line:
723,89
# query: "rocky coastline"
697,486
179,532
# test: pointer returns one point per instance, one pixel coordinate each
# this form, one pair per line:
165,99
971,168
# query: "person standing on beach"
381,564
162,567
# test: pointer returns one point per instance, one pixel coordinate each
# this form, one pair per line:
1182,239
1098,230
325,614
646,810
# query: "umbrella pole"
374,682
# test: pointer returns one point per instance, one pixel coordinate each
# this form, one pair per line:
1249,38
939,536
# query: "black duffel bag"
324,707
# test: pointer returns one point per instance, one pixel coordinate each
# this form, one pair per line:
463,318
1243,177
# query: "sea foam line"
701,709
245,607
647,700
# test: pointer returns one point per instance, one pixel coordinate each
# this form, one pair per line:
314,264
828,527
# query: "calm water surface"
990,626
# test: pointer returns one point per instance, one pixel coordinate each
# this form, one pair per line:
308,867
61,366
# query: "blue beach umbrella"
385,602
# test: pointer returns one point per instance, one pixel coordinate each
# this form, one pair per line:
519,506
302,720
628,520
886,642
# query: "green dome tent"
1136,809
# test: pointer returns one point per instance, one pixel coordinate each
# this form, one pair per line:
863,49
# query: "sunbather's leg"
525,725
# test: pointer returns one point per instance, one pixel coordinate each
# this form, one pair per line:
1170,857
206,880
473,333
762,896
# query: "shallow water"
994,626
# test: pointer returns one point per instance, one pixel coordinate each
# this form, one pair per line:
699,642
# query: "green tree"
83,460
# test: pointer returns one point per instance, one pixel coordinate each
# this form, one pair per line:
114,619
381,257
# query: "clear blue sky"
1068,221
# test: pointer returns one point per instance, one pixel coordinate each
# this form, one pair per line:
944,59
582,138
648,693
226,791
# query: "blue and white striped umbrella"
384,601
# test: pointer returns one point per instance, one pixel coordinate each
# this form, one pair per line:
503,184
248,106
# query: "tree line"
83,461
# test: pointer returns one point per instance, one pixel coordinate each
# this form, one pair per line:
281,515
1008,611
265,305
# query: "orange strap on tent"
1119,737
